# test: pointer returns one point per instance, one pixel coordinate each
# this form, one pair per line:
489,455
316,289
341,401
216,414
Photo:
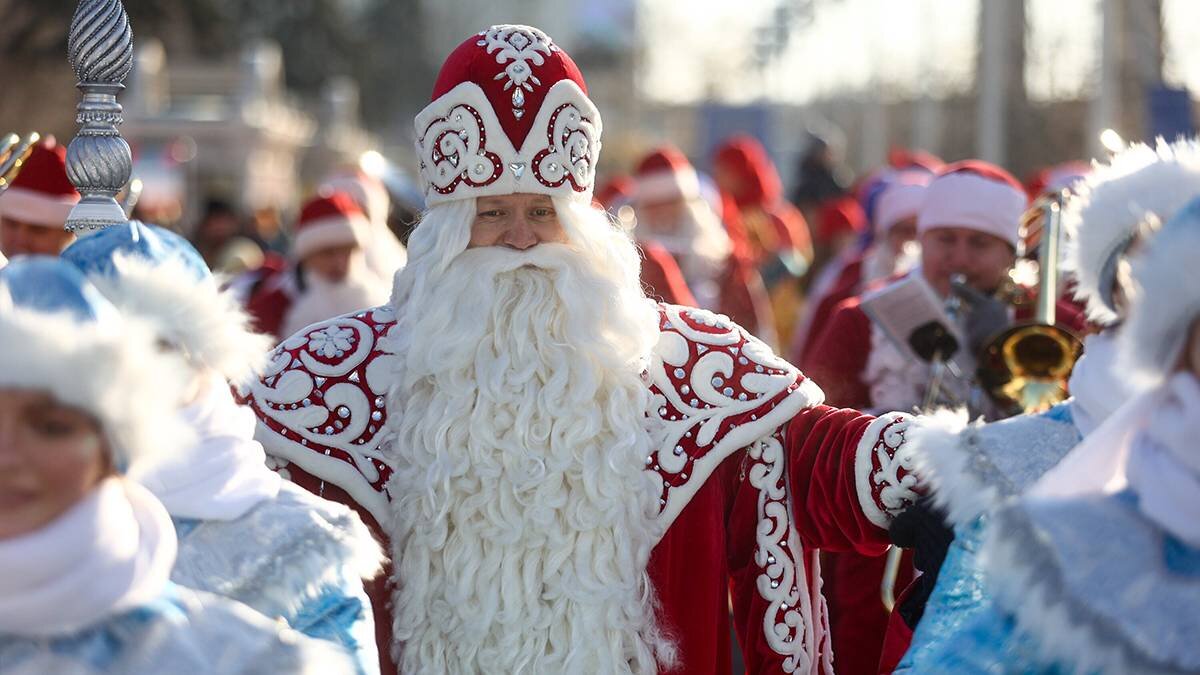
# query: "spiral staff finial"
99,162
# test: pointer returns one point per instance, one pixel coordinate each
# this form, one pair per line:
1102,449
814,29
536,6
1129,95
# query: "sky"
701,47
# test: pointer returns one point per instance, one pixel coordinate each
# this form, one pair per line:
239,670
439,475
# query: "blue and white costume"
89,592
1097,568
243,532
976,469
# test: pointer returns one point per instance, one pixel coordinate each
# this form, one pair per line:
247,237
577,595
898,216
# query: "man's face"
662,217
901,233
982,258
516,221
21,238
331,264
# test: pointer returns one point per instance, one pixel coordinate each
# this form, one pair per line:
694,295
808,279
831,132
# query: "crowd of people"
677,423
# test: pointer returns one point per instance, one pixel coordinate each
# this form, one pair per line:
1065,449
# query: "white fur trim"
209,325
37,208
943,464
327,233
898,202
1116,198
116,375
1168,300
667,185
974,202
883,442
464,151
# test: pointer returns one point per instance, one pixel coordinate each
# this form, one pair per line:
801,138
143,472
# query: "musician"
1108,220
968,224
34,208
1097,569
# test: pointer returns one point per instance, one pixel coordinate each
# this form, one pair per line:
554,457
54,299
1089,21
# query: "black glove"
986,317
922,527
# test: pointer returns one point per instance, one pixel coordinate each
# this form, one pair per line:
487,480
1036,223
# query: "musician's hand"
986,316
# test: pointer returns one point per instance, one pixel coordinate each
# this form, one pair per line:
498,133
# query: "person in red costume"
661,276
34,208
968,224
893,250
780,243
329,272
572,477
672,212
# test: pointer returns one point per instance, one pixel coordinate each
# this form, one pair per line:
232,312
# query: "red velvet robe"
838,358
756,475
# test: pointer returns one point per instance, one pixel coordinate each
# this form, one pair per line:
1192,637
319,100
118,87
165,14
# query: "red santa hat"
900,199
665,175
975,195
510,113
758,182
326,221
41,194
616,192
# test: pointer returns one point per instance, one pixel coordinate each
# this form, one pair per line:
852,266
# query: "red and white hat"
41,194
975,195
326,221
510,114
901,199
665,175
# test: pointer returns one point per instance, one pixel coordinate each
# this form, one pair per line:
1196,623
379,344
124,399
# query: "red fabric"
45,171
379,589
984,170
332,205
899,636
662,278
615,192
858,621
838,356
755,181
838,216
845,286
744,297
471,62
909,158
269,306
663,159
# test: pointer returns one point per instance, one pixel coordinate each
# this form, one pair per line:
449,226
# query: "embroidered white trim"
731,375
783,583
879,460
464,151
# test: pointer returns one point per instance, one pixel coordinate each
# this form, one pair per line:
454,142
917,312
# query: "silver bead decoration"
378,401
679,372
728,391
320,381
758,368
99,162
329,430
685,390
662,412
716,382
678,450
343,412
354,377
377,416
306,403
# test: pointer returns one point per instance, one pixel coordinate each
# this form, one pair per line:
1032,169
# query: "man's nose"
520,236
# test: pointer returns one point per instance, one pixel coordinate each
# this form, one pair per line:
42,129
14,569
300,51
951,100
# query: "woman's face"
51,455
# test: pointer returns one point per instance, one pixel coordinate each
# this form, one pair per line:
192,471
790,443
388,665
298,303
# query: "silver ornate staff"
99,163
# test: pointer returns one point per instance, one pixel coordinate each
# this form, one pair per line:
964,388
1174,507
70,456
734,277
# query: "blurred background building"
252,102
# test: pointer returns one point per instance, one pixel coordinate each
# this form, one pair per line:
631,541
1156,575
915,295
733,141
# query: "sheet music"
903,306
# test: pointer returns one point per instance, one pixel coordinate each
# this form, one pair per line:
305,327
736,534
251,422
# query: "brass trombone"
1026,367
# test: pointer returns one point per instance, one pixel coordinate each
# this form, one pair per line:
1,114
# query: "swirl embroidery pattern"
325,389
452,142
572,142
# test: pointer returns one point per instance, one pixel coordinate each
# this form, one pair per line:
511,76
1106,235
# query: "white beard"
523,516
701,246
881,263
323,300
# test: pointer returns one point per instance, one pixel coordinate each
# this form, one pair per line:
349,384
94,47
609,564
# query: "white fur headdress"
1168,300
156,275
1138,183
103,363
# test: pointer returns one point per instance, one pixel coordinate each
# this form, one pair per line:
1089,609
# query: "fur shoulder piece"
973,467
1103,589
717,389
321,403
281,555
